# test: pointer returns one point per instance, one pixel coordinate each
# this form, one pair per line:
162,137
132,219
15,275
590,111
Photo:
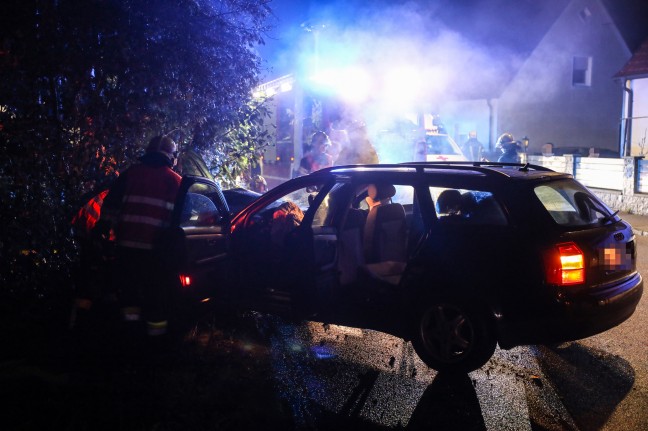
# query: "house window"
582,71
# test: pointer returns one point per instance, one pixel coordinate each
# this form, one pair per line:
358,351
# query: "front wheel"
454,337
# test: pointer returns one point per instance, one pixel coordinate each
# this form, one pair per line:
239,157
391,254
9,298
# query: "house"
566,91
635,118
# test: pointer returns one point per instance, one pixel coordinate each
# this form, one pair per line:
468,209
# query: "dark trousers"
144,280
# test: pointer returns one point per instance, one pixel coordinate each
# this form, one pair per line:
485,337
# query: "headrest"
449,202
378,192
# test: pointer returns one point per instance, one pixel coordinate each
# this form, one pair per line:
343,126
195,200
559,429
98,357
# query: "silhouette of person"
472,148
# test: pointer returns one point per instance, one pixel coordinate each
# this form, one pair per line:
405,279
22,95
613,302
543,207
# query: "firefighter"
472,149
509,148
318,157
93,258
139,206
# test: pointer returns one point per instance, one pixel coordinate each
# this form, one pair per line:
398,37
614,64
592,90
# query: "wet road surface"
330,374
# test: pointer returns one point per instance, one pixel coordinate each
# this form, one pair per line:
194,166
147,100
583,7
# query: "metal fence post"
570,164
630,175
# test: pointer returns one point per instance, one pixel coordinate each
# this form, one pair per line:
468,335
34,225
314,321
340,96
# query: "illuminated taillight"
185,280
565,265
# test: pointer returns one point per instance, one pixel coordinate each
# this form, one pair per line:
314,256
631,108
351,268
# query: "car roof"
486,170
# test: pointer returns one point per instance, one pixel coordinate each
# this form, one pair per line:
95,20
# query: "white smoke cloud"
391,60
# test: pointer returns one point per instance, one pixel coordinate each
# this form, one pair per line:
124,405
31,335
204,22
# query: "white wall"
639,137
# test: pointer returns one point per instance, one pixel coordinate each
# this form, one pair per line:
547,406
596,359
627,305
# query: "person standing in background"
510,149
473,149
317,158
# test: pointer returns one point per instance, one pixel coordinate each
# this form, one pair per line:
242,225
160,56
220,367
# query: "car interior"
374,238
378,227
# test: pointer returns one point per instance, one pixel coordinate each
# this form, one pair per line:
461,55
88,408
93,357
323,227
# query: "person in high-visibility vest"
89,280
139,207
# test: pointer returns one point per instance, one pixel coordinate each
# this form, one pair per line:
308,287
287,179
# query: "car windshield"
570,204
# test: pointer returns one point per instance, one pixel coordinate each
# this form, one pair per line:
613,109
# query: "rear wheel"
453,336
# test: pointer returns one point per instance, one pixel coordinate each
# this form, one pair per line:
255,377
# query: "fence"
621,183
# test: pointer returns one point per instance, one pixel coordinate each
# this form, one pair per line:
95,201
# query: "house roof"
519,27
637,66
501,34
515,26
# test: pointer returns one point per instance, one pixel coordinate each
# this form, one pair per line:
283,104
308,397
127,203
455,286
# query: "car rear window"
571,204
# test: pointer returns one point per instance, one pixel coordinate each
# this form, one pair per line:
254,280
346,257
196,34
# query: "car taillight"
565,265
185,280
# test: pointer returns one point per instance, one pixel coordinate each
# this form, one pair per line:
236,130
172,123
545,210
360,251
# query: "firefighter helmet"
505,138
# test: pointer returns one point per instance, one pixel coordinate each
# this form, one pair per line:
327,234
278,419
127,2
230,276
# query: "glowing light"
286,86
402,85
270,91
567,267
352,84
185,280
323,352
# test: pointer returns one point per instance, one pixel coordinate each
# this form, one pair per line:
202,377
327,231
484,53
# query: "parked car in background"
238,198
455,256
442,148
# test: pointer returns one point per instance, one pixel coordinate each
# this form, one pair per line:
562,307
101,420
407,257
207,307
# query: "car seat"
385,234
351,255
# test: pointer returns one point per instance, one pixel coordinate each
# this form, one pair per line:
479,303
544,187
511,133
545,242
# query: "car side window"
281,217
469,207
199,207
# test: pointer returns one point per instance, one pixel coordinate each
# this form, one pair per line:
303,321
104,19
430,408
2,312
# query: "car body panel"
201,235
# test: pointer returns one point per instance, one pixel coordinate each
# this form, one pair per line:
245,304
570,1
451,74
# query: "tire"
452,336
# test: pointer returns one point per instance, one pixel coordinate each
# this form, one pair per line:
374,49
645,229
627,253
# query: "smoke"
388,61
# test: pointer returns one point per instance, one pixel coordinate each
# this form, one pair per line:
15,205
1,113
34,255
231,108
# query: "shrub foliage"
84,84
